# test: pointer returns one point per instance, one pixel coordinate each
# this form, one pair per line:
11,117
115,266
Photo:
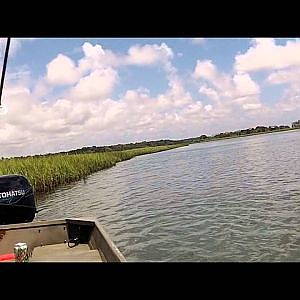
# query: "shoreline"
213,139
47,173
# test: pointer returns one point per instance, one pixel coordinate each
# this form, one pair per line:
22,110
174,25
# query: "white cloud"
208,107
290,103
97,85
74,123
245,85
149,54
205,69
62,70
141,55
284,63
41,88
210,92
229,90
96,57
264,54
93,52
251,106
290,75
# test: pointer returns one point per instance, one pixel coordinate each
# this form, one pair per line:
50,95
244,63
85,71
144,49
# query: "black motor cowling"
17,204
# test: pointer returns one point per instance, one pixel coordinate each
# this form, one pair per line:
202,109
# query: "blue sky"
83,92
38,53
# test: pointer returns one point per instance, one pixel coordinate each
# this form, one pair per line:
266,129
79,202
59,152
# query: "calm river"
229,200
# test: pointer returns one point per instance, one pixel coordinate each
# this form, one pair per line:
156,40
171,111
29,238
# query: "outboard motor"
17,204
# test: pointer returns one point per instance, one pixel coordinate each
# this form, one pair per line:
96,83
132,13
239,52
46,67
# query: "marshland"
47,172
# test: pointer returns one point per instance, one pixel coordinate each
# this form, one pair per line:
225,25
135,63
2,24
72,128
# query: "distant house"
296,124
273,127
284,127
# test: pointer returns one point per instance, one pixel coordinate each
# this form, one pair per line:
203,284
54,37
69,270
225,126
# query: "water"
230,200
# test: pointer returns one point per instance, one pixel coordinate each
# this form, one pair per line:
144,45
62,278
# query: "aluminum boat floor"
63,253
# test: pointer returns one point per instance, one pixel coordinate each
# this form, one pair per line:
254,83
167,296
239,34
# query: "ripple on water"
230,200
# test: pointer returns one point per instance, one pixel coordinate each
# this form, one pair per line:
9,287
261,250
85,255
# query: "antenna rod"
4,67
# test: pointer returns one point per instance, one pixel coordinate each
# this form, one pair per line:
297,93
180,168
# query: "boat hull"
43,233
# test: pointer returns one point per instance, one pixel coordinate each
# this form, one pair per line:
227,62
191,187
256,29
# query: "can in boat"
20,251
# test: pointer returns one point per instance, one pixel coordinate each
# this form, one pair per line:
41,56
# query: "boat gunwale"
80,221
36,224
116,252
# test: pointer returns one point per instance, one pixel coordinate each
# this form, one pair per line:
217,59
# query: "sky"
68,93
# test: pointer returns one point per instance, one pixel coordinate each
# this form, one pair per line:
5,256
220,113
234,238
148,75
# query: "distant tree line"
122,147
199,139
249,131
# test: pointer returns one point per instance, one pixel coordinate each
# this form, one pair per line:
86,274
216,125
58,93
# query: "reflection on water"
230,200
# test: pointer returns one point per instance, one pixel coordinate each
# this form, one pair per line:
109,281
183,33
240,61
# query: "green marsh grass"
46,173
